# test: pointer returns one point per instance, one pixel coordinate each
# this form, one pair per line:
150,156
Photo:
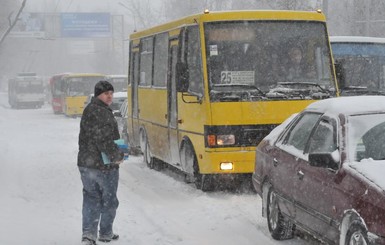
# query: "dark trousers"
99,201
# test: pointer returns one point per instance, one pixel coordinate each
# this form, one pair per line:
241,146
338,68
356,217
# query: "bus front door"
173,109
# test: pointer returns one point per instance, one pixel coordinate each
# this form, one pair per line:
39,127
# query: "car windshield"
366,137
247,59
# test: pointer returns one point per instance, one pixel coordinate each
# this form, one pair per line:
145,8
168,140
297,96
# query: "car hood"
372,170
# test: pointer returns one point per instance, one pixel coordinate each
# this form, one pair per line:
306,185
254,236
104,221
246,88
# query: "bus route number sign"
237,77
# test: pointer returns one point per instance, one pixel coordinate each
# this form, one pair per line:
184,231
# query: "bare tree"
290,4
12,21
144,13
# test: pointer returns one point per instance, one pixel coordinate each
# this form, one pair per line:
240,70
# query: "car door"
286,157
315,185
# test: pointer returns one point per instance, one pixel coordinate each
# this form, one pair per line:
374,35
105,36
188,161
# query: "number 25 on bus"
205,89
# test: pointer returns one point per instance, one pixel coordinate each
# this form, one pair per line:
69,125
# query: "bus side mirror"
340,73
182,77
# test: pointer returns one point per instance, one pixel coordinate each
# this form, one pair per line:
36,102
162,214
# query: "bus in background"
76,88
119,82
26,90
56,90
205,89
360,64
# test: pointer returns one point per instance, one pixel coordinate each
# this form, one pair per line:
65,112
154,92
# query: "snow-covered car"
322,172
121,118
117,100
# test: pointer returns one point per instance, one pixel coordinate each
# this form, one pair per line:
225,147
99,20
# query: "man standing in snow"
98,130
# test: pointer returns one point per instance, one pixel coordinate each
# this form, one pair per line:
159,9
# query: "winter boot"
114,237
88,241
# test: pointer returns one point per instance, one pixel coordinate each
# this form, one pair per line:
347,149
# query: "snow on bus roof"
356,39
117,76
349,105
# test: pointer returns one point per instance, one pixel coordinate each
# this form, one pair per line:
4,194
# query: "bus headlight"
220,140
226,139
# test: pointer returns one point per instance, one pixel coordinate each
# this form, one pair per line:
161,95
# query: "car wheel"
203,182
280,227
357,234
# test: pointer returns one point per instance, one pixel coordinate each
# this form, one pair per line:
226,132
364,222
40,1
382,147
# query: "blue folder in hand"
106,159
122,147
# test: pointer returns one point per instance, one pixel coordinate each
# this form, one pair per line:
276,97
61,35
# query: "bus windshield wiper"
238,85
301,90
229,98
302,85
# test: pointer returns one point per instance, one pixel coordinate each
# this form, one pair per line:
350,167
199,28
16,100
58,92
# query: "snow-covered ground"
41,194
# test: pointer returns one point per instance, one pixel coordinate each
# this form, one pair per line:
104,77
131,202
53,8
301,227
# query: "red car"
323,172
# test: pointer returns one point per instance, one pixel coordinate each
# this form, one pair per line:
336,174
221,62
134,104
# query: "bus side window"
160,60
146,61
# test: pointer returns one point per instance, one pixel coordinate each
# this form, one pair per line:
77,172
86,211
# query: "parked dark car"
322,172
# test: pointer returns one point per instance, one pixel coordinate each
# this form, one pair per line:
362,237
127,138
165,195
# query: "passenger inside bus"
295,67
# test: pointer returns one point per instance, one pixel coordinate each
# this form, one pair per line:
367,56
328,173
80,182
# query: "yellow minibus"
205,89
77,87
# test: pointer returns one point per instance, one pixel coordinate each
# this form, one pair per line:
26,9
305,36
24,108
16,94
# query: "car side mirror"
182,76
117,114
323,160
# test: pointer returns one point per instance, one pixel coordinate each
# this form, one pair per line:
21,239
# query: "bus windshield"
363,65
30,86
82,86
119,83
266,58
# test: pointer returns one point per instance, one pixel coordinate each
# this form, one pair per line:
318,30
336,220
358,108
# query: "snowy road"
40,194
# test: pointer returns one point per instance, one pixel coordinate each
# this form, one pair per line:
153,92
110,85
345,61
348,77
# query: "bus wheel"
203,182
148,159
66,111
157,164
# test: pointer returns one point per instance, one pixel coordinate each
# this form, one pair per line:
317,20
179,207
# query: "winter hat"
101,87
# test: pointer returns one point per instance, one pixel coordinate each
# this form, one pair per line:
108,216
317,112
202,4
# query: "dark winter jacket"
98,130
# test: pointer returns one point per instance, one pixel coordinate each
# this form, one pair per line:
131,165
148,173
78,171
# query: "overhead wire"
57,4
69,5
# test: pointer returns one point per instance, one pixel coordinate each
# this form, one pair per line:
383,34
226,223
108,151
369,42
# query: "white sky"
41,194
112,6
